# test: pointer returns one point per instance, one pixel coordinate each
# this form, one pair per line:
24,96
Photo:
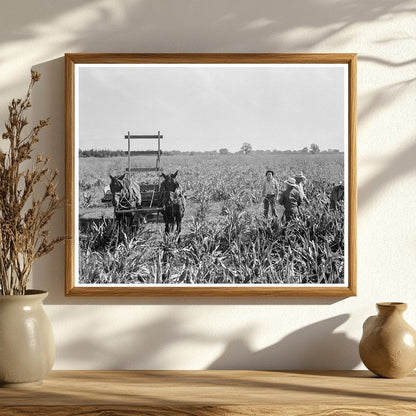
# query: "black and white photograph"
201,174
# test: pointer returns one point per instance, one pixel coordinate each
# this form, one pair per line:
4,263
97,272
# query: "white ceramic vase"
27,347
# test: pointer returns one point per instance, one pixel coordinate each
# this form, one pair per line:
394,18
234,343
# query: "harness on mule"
176,197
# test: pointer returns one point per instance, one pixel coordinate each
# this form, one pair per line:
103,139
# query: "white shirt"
270,187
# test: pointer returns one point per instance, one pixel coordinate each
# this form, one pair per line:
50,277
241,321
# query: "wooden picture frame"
94,94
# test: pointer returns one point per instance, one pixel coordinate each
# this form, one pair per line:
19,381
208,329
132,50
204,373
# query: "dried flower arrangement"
28,199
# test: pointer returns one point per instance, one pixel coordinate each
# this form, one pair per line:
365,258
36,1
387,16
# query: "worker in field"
300,180
291,199
270,193
337,195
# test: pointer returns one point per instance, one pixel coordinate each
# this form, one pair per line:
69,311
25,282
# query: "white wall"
201,333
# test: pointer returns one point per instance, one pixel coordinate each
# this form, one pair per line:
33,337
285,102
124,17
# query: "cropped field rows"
225,239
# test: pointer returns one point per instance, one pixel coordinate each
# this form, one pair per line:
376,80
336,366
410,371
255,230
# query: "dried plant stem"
23,218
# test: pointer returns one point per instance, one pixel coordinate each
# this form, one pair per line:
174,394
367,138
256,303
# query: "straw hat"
300,176
291,182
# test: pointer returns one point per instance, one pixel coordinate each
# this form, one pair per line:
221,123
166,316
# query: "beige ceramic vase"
27,347
388,344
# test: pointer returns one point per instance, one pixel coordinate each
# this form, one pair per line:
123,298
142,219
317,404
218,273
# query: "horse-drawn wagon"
136,201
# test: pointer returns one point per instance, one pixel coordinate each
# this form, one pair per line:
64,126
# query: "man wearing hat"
290,198
300,180
270,192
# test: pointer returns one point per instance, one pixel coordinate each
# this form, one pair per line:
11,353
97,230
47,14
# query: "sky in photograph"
209,107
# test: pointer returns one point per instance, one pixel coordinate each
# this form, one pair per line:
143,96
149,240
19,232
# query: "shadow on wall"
141,347
48,100
313,347
152,345
393,169
241,26
221,26
382,98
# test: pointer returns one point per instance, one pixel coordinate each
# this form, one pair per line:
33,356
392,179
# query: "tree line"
245,149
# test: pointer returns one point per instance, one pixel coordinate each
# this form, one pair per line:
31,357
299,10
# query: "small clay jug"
388,344
27,347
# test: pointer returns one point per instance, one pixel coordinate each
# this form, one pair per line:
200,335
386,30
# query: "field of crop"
224,239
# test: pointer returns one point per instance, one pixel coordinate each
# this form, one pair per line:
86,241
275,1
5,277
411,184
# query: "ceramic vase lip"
390,307
34,294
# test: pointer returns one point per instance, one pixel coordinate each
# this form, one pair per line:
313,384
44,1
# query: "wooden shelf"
203,393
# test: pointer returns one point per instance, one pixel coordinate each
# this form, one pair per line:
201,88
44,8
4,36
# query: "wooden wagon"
149,192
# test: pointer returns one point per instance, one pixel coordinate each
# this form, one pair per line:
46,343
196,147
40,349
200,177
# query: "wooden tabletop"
203,393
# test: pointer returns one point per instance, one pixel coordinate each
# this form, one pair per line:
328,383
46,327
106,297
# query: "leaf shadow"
315,346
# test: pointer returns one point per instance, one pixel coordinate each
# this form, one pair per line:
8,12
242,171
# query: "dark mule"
125,197
171,202
337,195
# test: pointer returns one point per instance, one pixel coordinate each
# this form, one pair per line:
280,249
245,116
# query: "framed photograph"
211,174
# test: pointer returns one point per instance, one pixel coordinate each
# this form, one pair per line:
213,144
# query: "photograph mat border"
77,141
